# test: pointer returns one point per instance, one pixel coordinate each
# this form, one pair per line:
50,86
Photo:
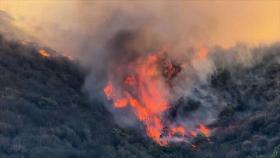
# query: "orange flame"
108,90
201,54
120,103
180,130
44,53
147,93
204,130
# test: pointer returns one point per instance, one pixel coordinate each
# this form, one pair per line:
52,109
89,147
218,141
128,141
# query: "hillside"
45,113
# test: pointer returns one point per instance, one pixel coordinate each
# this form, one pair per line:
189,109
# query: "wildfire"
44,53
201,54
179,130
204,130
144,85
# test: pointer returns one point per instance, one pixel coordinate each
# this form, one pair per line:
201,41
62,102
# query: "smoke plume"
144,75
114,41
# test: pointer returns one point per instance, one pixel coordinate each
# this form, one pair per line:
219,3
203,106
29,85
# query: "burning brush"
145,85
44,53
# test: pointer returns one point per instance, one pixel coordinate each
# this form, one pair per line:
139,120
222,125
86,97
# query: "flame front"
144,86
44,53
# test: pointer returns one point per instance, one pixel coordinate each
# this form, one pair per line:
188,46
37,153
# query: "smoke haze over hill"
195,78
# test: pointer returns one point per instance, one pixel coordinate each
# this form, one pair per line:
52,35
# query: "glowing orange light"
108,90
129,80
193,133
204,130
180,130
201,54
120,103
146,92
44,53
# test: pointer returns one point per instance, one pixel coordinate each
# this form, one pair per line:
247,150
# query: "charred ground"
44,112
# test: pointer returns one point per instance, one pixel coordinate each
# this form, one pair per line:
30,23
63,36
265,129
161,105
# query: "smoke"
193,103
74,27
129,49
104,36
9,31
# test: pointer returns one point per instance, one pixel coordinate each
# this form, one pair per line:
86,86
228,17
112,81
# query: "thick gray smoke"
124,42
125,39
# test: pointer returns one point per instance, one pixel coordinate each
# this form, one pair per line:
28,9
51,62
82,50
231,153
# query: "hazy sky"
219,22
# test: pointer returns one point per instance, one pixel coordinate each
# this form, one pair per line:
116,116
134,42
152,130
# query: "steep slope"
43,112
249,125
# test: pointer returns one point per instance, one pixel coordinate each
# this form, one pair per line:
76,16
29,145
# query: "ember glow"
145,85
44,53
